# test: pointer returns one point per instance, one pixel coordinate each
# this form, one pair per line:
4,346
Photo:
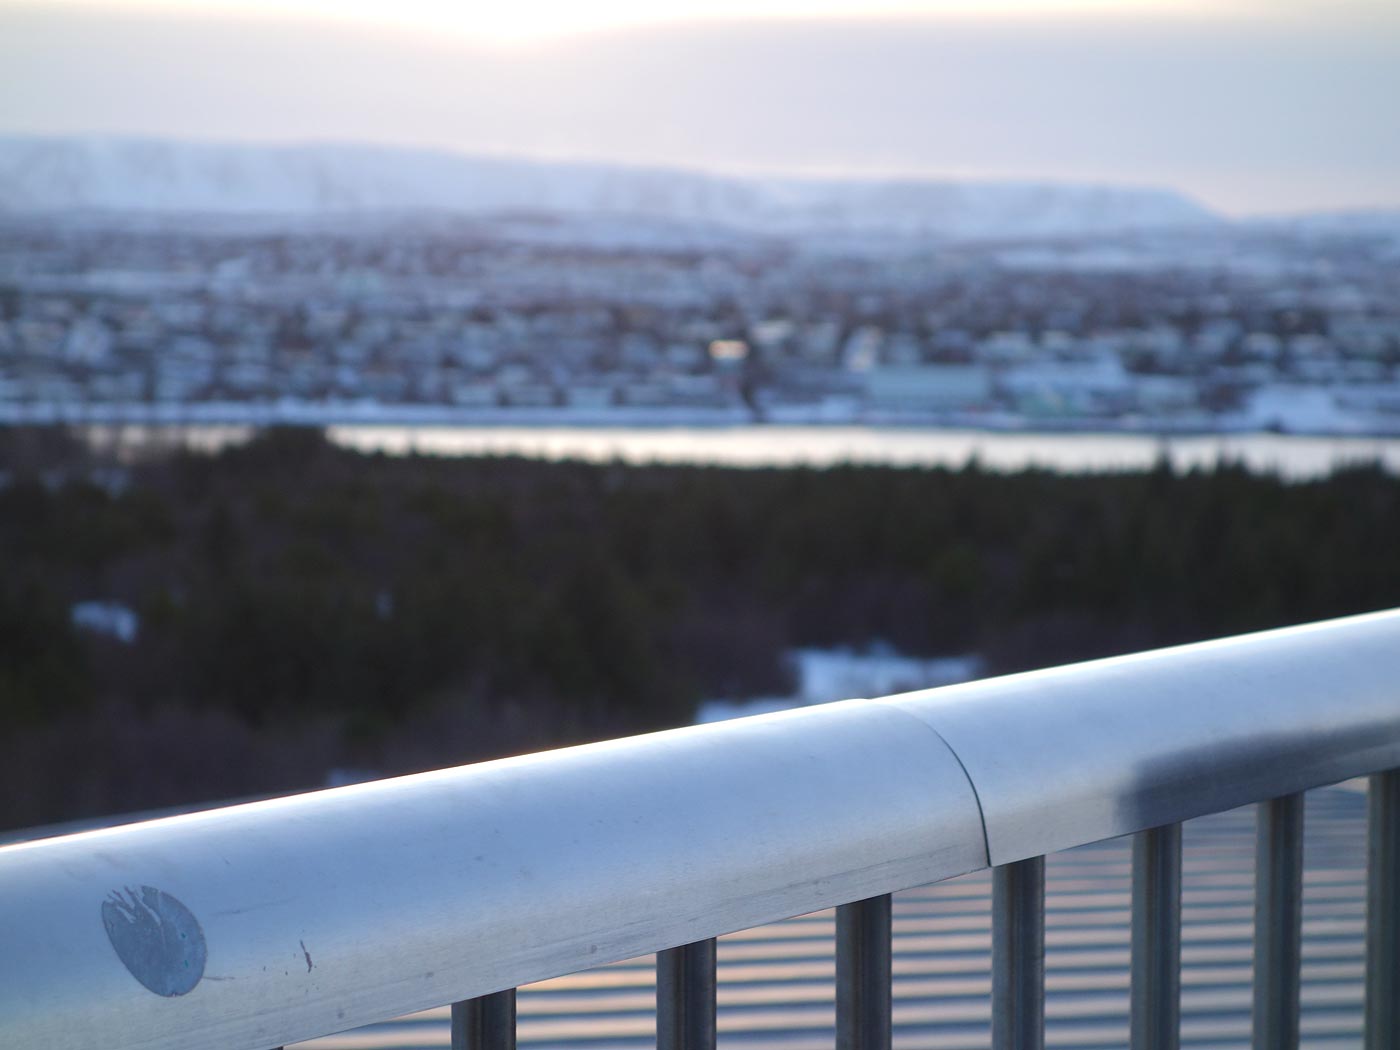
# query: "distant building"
589,397
772,334
1261,346
1007,347
902,349
697,390
862,350
1370,397
648,394
1165,395
684,355
820,341
728,351
1093,386
530,395
928,388
88,342
475,395
1296,408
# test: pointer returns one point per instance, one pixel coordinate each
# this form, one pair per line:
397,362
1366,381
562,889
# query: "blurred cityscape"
557,318
388,387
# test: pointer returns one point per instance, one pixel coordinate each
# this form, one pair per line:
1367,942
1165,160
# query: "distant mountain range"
166,177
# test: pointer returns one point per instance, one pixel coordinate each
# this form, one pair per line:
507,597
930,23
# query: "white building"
1089,386
88,342
1007,347
1165,395
589,397
862,350
474,395
928,388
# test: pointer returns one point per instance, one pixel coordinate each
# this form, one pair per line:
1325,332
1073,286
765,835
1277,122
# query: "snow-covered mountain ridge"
154,176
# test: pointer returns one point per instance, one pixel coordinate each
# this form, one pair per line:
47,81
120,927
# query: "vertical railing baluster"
1383,912
685,997
1156,955
1018,955
1278,923
863,991
485,1023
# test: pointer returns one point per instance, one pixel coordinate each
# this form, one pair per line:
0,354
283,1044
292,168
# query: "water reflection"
1292,456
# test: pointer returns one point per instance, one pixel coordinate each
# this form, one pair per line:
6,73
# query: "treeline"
303,606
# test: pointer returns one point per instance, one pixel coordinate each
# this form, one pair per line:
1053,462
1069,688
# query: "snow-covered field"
824,675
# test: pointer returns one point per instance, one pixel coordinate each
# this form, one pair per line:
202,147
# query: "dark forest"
304,607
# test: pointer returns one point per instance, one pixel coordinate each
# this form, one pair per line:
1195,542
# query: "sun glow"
520,21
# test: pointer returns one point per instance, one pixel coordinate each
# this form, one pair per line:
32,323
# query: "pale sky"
510,21
1248,105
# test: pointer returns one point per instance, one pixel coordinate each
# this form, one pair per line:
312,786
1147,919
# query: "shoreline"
347,414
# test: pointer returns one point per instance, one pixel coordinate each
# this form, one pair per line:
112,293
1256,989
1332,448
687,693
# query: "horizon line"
739,173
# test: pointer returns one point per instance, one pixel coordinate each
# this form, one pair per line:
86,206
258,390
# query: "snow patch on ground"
112,619
824,675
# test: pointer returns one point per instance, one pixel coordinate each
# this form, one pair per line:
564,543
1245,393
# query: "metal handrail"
255,925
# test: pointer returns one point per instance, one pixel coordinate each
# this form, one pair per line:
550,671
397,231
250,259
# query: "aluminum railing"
256,925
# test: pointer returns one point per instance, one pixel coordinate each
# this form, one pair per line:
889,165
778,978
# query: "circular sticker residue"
157,938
